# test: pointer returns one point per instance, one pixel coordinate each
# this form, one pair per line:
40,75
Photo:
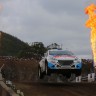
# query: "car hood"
64,57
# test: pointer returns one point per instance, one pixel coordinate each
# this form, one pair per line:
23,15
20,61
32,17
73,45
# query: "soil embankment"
65,89
25,70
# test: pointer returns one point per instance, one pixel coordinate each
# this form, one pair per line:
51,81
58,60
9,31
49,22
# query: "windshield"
60,53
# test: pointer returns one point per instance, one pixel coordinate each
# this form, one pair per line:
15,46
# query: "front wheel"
40,74
47,70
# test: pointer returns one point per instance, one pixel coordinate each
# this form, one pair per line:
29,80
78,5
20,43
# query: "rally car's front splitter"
73,66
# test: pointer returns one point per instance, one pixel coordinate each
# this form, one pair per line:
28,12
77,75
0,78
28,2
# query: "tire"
47,71
68,75
40,74
78,72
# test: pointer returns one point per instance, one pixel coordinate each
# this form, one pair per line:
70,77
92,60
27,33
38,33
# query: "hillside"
10,45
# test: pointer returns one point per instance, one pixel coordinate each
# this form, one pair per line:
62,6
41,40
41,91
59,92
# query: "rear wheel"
40,74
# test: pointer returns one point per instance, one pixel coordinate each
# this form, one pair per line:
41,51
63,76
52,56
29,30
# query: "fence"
3,92
89,78
8,91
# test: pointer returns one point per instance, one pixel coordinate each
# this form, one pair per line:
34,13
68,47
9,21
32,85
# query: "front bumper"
57,66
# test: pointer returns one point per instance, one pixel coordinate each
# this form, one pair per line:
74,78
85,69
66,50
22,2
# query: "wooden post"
78,79
91,77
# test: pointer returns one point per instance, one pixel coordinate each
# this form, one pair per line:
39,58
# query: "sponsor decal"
64,56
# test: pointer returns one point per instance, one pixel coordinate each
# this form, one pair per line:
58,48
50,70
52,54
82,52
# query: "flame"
91,23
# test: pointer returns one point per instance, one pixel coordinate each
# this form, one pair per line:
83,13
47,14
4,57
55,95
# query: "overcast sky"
48,21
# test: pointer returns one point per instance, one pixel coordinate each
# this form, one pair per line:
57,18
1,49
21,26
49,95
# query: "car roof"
55,50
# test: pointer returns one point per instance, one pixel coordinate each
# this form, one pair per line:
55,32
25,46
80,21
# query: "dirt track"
26,70
57,89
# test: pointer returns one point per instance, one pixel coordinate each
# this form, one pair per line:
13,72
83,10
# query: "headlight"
77,60
52,60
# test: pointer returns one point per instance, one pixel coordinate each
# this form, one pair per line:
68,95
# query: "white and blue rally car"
61,62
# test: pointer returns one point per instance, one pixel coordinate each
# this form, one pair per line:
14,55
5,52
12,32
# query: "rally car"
61,62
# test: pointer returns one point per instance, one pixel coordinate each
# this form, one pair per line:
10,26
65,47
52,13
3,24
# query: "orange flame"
91,23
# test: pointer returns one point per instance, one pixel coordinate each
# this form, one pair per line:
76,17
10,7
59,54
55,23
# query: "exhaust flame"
91,23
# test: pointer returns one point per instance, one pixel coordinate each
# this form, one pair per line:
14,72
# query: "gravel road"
58,89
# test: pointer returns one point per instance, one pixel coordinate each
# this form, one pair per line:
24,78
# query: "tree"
38,48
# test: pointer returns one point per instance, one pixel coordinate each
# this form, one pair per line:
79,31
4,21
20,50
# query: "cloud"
48,21
1,7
